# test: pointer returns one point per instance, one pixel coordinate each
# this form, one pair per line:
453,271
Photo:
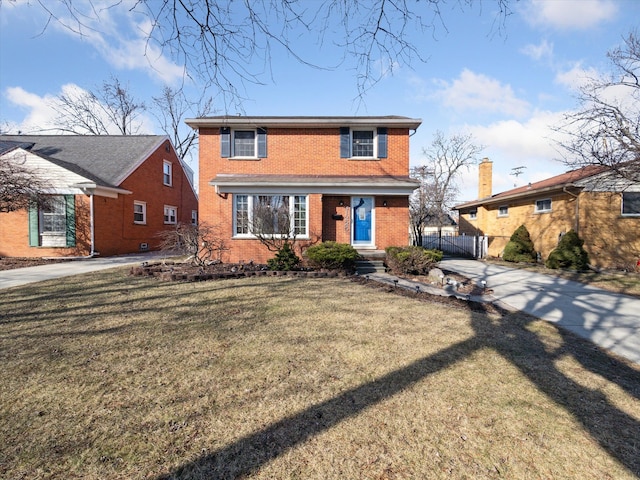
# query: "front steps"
372,261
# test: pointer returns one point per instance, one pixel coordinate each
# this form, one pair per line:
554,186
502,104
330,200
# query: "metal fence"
458,245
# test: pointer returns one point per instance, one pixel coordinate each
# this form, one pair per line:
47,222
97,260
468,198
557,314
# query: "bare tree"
111,109
446,157
20,186
605,130
271,222
229,42
171,108
203,243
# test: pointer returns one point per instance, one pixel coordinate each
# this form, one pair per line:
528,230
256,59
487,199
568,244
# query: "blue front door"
362,220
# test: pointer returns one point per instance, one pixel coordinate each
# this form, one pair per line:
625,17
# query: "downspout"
577,222
91,226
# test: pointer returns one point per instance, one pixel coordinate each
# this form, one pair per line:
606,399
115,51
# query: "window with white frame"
241,144
473,214
503,211
362,143
244,143
139,212
543,205
194,217
631,203
167,173
54,215
170,214
270,214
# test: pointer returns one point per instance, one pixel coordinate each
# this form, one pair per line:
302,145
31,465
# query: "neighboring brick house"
602,209
344,179
109,195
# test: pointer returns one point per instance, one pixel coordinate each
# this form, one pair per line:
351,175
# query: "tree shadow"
511,338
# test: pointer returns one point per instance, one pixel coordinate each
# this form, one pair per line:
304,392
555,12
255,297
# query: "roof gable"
105,159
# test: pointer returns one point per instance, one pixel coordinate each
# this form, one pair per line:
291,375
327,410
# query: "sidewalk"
610,320
22,276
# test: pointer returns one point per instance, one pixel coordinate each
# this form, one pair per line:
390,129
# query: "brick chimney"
485,175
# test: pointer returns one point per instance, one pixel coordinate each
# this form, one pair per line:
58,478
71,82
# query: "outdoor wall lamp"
341,203
384,203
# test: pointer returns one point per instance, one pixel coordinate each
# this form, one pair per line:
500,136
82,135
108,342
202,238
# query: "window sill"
364,159
538,212
252,159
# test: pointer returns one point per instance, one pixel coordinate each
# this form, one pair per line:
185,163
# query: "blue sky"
506,88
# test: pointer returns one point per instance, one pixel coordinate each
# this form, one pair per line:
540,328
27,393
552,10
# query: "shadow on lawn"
510,337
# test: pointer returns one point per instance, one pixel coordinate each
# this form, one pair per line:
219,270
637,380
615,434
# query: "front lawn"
110,376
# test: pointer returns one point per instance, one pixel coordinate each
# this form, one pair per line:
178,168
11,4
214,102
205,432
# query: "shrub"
412,260
284,260
569,253
520,247
332,255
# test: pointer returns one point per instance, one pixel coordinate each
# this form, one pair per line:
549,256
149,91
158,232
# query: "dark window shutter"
382,142
345,142
34,233
225,142
262,143
70,204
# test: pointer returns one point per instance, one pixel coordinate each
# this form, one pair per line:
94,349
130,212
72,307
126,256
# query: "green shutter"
34,234
70,204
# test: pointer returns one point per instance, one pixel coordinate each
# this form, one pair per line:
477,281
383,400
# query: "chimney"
485,174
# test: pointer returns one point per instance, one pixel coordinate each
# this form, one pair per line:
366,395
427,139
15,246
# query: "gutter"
577,197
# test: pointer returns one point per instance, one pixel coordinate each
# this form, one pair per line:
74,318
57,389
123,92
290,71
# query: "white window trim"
473,215
233,143
169,164
540,210
506,214
175,210
304,236
622,207
144,212
194,217
375,142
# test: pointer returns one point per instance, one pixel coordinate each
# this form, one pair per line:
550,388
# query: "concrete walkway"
610,320
22,276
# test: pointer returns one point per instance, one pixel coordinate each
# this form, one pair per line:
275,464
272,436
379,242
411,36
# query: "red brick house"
110,195
344,179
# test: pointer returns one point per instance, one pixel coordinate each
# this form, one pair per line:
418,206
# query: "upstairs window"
631,203
543,206
243,143
167,174
363,143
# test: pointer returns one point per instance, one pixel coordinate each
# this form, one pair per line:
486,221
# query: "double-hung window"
270,215
543,206
53,223
170,214
631,203
167,174
363,143
503,211
139,212
241,144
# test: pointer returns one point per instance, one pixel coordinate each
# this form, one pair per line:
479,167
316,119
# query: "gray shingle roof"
105,159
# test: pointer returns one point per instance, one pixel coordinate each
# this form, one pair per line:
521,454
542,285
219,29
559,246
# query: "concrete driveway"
22,276
610,320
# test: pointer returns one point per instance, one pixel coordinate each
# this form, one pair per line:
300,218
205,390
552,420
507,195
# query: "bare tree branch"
20,186
605,130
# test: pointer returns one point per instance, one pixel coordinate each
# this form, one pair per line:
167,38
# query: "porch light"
384,203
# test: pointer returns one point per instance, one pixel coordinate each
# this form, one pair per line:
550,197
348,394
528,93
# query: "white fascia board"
303,122
303,189
100,191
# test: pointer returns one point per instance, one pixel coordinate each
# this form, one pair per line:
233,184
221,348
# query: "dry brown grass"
110,376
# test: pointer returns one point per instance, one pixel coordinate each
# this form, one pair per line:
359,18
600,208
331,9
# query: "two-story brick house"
109,195
604,210
344,179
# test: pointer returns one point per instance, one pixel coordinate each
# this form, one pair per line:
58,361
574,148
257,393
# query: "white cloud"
41,115
112,30
576,76
539,52
474,91
570,14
